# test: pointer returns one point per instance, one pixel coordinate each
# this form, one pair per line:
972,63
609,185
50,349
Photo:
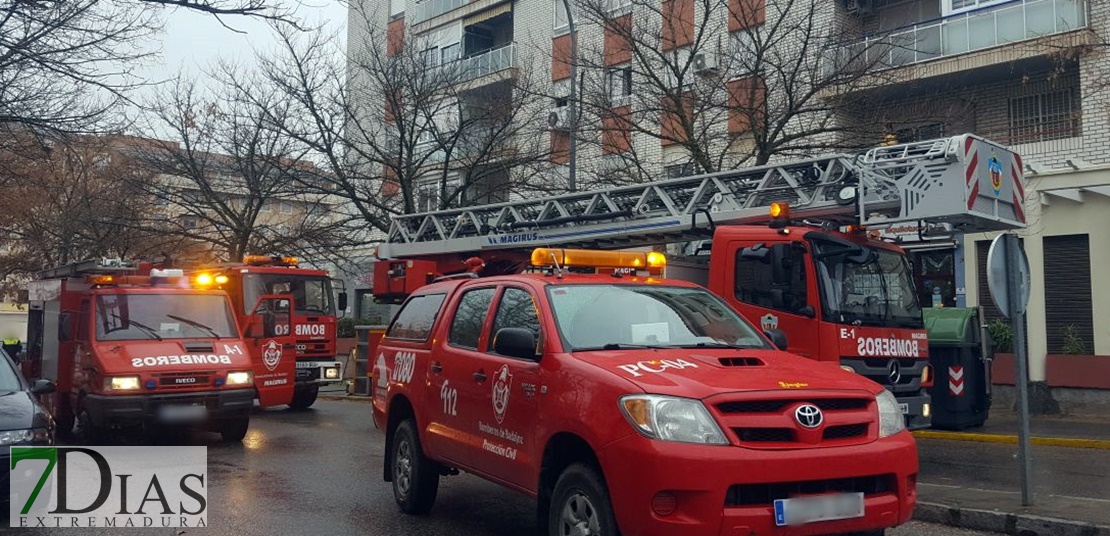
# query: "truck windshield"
865,285
612,317
311,294
124,317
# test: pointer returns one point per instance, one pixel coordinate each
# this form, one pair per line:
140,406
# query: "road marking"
1081,498
1100,444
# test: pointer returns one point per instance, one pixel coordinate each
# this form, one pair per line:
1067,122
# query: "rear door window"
466,327
415,320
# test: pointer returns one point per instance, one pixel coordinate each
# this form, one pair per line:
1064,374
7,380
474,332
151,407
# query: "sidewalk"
970,479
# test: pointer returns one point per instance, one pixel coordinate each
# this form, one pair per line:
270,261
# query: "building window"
620,85
427,198
929,131
1069,313
949,7
1049,115
562,24
618,7
449,53
675,171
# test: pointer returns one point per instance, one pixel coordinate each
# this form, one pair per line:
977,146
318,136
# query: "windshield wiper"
617,346
197,325
149,330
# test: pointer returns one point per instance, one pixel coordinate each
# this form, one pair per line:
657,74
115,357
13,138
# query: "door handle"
437,366
480,376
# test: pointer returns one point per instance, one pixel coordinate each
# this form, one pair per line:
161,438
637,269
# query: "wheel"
415,477
87,432
234,430
580,505
304,398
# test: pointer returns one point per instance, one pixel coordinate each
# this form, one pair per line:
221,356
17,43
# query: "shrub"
1001,335
1073,343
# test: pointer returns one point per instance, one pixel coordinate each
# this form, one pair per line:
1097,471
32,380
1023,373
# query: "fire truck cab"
625,403
313,329
132,347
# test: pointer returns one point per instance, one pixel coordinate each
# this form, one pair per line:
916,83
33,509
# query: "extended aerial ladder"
968,182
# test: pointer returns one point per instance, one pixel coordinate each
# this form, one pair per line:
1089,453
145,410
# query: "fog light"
331,374
925,410
664,503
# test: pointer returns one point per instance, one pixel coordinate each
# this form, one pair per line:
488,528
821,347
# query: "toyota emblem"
895,372
809,416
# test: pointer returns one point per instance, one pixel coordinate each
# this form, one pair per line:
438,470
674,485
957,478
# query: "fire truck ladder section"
964,181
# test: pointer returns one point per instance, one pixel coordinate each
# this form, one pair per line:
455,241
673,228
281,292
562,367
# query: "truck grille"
763,494
185,380
766,420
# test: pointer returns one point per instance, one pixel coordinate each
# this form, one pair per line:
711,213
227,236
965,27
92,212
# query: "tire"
88,433
580,504
234,430
304,398
415,477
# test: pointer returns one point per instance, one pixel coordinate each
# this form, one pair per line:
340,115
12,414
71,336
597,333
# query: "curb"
1099,444
1015,524
345,397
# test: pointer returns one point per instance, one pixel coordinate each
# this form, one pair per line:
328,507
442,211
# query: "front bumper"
319,372
914,410
730,490
129,410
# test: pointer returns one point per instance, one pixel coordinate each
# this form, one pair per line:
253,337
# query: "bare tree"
729,83
230,181
402,130
66,65
75,199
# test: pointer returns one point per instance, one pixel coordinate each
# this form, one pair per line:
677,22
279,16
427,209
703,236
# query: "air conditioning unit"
559,118
705,62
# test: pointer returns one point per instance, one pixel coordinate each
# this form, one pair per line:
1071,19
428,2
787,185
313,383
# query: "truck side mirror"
342,302
515,342
43,387
807,311
778,338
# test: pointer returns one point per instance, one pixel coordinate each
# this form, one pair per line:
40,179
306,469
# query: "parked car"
23,421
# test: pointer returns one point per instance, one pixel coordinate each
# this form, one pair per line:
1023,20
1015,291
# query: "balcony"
972,31
488,62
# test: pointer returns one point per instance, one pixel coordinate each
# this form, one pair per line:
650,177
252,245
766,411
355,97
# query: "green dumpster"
961,393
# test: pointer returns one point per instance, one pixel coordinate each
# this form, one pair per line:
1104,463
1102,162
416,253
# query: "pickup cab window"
415,319
518,310
466,327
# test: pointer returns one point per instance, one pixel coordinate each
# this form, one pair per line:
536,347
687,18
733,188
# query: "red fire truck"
131,346
314,329
791,245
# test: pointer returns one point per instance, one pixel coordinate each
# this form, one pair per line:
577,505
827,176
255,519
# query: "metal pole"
571,179
1016,304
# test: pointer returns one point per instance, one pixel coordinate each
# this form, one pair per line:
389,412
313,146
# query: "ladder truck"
790,245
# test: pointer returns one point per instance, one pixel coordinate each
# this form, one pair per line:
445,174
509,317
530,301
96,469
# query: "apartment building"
1030,74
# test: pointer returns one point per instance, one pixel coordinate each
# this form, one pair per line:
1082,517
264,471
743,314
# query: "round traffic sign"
997,272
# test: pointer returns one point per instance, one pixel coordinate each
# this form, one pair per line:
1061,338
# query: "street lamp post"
571,179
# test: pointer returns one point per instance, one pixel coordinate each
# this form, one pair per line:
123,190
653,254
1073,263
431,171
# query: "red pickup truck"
633,405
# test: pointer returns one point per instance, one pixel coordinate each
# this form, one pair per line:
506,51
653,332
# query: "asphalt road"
319,472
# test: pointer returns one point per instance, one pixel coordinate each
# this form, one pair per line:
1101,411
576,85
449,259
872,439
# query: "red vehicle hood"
698,373
118,357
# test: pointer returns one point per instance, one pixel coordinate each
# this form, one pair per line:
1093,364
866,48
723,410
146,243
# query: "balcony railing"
434,8
979,29
488,62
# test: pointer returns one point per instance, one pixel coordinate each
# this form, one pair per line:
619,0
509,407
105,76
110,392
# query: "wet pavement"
319,472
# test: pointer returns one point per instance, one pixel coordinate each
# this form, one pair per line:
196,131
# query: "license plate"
175,413
905,408
802,510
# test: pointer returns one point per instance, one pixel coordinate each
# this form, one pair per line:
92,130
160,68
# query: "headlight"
24,437
238,378
331,374
672,419
121,383
847,368
891,420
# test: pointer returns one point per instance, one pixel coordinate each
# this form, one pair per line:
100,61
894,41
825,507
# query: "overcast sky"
194,40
